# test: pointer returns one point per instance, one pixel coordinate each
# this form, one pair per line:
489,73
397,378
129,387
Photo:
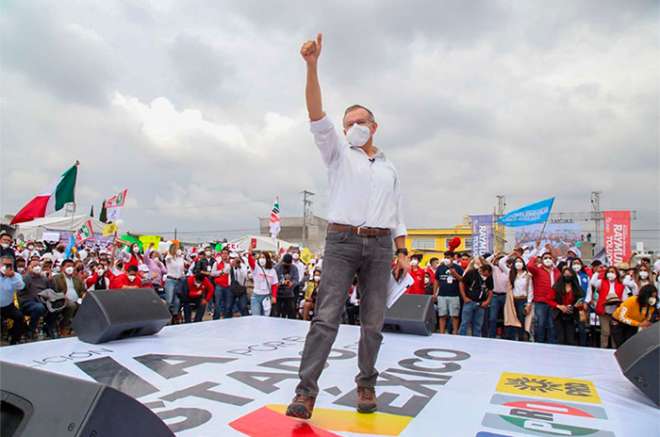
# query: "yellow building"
433,242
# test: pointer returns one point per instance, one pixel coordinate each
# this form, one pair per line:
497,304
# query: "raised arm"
310,51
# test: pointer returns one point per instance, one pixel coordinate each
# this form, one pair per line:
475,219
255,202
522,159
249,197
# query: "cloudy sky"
197,107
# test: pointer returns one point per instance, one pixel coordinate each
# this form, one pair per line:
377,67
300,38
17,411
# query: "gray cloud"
474,99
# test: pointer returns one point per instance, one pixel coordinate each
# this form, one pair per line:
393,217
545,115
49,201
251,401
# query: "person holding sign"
364,215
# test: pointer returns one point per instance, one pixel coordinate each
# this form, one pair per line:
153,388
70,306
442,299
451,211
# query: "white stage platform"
235,377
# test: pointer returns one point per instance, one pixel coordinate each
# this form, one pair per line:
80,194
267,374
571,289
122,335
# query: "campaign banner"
117,201
528,215
561,236
617,236
482,234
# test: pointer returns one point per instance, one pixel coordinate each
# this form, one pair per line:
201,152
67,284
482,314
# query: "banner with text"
482,234
617,236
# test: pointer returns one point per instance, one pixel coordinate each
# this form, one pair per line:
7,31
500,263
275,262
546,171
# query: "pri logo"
545,406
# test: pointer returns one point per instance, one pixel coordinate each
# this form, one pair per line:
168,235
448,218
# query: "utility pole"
500,231
307,213
597,216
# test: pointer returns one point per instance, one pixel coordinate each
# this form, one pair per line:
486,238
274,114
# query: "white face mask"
611,276
136,250
358,135
296,256
100,272
414,262
131,278
652,301
317,278
68,270
576,267
3,269
5,245
426,280
519,266
262,262
447,261
643,274
547,262
36,270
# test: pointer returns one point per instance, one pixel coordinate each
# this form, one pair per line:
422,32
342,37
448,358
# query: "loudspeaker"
639,359
39,403
411,314
115,314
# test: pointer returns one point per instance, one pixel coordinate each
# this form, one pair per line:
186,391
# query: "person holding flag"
365,216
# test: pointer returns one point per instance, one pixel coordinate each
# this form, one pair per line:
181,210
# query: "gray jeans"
345,255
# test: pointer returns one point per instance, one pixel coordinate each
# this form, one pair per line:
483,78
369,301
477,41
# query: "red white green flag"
275,224
117,201
54,200
85,232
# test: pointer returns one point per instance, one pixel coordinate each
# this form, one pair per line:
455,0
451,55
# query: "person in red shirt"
417,273
543,277
130,279
431,268
197,291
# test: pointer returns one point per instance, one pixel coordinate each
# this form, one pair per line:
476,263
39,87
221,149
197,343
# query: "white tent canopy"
263,243
35,229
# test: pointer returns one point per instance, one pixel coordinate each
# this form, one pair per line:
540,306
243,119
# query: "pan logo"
545,406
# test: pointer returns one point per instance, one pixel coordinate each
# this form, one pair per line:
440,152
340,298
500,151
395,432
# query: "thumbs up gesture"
311,50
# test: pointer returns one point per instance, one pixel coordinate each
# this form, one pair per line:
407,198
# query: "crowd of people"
534,294
530,294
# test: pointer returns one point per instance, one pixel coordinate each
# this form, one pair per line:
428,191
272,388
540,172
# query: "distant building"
292,231
433,242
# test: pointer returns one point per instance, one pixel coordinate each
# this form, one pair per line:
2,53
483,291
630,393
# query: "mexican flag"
47,203
275,223
85,232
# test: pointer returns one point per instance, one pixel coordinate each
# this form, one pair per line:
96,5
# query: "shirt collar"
378,155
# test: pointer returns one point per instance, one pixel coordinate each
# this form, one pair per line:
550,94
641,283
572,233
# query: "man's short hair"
132,268
434,259
486,268
449,253
354,107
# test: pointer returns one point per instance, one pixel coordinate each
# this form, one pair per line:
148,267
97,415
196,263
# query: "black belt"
361,231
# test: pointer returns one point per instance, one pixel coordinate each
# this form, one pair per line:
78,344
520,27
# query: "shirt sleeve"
327,140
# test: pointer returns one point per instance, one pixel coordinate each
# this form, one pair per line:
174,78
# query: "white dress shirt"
363,191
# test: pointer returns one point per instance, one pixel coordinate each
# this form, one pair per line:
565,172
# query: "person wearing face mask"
10,283
418,286
302,274
67,283
465,260
543,278
220,271
100,278
518,298
566,303
156,268
446,292
365,218
197,291
31,304
265,281
431,267
310,294
500,280
634,313
6,249
130,279
175,265
133,257
611,292
288,279
637,278
476,289
19,265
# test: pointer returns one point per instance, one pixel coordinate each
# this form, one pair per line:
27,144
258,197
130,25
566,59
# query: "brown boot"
366,400
301,407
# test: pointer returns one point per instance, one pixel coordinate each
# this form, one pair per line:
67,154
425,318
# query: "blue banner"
482,234
528,215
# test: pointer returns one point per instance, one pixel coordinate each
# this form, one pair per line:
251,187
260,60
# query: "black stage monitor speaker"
37,403
114,314
639,358
411,314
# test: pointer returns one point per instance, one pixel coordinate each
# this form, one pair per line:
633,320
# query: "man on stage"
364,215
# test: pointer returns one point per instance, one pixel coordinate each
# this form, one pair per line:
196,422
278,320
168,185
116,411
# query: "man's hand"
562,308
484,304
402,263
528,309
311,50
645,324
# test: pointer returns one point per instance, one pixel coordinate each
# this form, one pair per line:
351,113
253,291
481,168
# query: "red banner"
617,236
